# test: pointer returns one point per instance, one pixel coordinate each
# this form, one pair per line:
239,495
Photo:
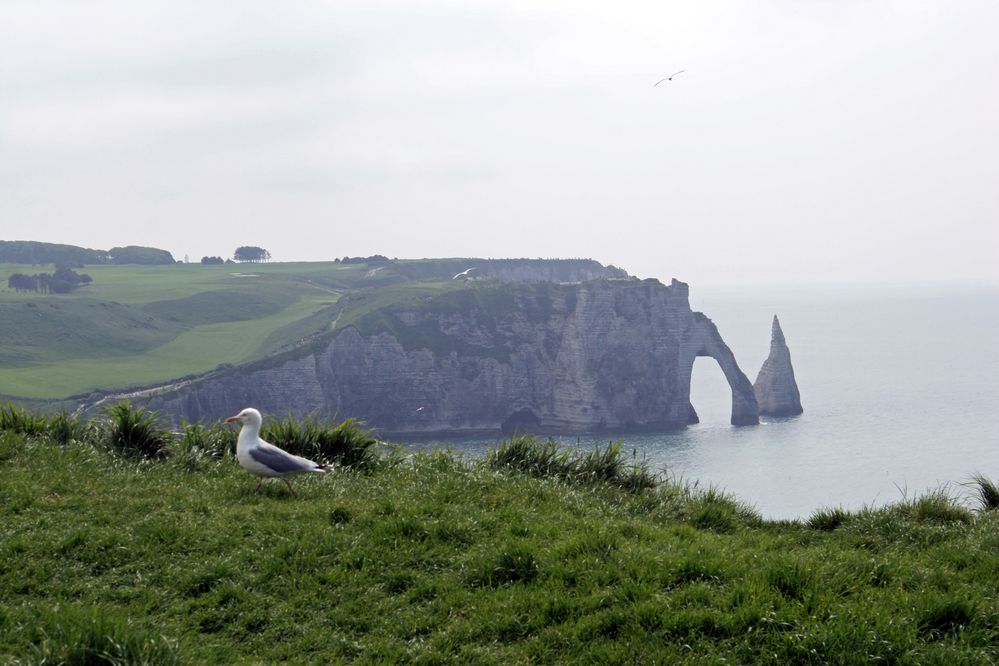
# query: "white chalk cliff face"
604,355
775,388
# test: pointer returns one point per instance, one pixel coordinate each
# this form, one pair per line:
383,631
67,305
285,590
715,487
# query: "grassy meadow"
121,543
139,325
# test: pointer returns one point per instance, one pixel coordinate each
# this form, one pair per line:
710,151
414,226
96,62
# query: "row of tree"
35,252
251,254
373,259
63,281
244,254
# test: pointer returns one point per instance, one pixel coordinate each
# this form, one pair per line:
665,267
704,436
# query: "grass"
198,349
73,635
987,491
111,558
345,443
144,325
134,432
548,459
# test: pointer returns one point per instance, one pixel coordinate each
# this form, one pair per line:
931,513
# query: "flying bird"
266,460
668,78
464,273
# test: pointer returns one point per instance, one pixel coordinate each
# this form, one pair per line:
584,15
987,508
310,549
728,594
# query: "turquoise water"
900,387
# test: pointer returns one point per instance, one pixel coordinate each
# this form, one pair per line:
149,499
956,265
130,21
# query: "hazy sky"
808,140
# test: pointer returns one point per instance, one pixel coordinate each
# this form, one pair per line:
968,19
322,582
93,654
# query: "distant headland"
414,347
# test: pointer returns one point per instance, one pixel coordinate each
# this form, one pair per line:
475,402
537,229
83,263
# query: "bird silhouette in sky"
668,78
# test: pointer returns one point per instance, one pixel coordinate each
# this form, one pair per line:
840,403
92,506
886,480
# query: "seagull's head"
248,416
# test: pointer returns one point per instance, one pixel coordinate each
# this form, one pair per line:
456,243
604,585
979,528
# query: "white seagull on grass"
262,459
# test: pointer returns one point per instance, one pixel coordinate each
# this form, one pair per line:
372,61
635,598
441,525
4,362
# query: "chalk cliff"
775,388
612,355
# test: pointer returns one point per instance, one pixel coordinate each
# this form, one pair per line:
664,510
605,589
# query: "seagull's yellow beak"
232,419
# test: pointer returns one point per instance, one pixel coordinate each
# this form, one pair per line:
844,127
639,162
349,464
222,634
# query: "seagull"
262,459
668,78
463,273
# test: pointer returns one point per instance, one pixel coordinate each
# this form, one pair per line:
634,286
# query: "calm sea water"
900,387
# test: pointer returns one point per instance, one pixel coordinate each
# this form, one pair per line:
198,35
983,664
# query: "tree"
21,283
63,281
251,254
212,260
373,259
34,252
137,254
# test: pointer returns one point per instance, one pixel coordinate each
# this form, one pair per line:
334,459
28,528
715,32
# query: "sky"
808,141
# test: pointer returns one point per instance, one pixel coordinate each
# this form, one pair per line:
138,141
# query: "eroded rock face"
775,388
602,355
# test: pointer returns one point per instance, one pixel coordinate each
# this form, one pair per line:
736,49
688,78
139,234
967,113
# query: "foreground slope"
429,560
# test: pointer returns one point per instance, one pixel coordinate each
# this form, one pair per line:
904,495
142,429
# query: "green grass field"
197,349
426,559
143,325
139,325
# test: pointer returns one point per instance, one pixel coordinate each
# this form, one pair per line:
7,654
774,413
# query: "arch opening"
710,392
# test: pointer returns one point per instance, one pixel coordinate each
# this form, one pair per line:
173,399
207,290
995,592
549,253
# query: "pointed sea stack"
775,388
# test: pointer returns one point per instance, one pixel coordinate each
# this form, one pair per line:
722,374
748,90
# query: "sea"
899,384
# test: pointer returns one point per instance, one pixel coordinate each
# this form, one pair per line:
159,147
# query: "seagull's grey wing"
279,460
675,73
659,81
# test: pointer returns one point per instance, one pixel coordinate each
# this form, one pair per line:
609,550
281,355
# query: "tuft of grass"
525,453
828,519
134,431
201,444
75,636
940,617
511,563
788,577
549,459
22,421
987,491
64,428
340,515
716,511
215,440
937,507
346,443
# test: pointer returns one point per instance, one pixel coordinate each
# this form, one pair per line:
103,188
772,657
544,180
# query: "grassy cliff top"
140,325
424,558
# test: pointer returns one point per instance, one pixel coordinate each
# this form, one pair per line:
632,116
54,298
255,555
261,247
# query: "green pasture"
141,325
138,325
367,302
198,349
137,285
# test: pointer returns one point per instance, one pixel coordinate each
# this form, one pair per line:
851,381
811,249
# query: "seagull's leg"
257,489
288,483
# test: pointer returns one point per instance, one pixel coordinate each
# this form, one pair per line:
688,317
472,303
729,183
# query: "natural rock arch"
703,339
